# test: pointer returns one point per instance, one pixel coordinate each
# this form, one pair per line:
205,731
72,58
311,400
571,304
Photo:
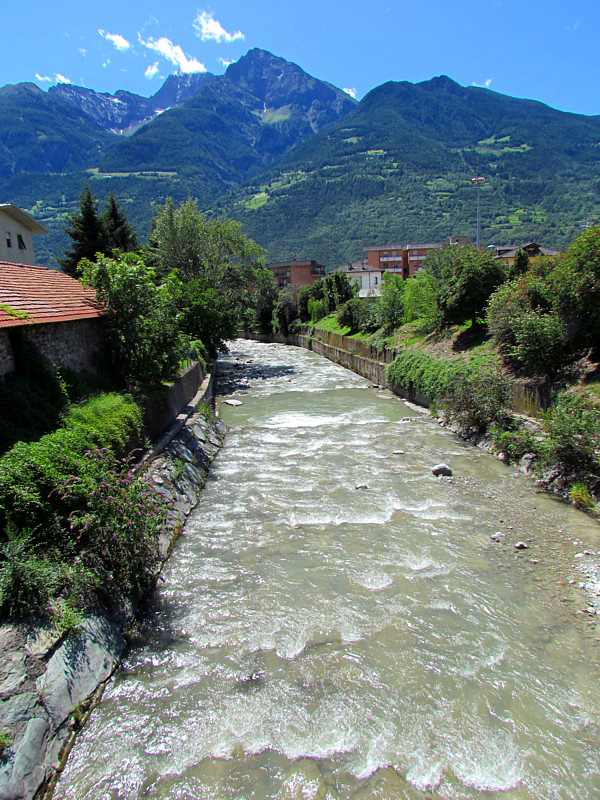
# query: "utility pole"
478,180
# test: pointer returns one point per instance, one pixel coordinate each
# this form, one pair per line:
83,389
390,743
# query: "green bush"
530,335
478,399
115,519
27,578
580,496
573,429
30,472
474,392
514,443
540,346
316,310
358,314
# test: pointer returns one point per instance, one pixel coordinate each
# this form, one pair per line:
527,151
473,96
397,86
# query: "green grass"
272,115
257,200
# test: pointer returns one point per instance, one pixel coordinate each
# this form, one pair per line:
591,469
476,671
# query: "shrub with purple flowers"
115,522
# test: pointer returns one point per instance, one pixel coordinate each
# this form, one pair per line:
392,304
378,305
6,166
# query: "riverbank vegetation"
473,337
78,527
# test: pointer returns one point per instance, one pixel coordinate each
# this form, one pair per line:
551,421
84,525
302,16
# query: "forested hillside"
307,171
399,168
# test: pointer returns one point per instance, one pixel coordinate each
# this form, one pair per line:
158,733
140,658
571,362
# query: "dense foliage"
466,278
144,344
93,233
547,317
75,523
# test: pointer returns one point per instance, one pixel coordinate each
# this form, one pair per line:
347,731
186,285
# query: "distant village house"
507,253
368,279
405,259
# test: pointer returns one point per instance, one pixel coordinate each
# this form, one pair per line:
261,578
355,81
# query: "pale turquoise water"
397,651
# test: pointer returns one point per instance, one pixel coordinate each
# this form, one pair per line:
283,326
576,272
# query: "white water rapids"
314,640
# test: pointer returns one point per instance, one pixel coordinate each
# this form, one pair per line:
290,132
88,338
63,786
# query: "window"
21,242
8,239
375,279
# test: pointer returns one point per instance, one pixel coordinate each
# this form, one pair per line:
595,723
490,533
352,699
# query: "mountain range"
307,170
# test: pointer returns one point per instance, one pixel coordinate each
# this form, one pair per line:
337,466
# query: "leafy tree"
285,312
466,279
574,281
263,297
215,251
419,299
206,315
143,341
332,291
337,290
520,264
118,233
86,232
391,302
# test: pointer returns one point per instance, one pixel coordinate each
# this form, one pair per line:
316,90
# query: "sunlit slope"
399,168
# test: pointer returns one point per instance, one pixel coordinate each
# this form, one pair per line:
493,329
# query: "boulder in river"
521,546
441,469
233,402
361,486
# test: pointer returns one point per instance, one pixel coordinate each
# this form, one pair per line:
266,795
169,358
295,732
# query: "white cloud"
485,85
151,71
209,28
351,91
43,78
82,50
120,42
225,62
174,54
61,78
106,63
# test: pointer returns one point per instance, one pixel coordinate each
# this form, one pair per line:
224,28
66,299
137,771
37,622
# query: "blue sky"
526,48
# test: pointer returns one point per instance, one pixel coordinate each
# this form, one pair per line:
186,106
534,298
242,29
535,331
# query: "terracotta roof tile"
44,294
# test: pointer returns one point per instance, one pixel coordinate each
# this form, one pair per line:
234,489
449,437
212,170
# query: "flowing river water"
317,640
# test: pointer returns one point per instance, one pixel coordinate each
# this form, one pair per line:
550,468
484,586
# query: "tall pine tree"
86,232
118,233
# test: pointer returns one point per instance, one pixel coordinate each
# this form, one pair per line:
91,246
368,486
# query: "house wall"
75,344
10,230
7,360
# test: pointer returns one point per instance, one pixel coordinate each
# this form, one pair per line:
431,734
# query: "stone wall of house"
7,360
74,344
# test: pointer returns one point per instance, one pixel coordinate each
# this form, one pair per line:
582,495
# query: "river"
313,639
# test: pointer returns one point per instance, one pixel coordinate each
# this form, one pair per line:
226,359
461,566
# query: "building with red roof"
53,311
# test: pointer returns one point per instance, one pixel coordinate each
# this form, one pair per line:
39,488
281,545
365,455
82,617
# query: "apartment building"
405,259
295,274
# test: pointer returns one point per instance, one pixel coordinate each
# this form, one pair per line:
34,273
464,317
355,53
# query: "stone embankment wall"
371,364
50,681
354,355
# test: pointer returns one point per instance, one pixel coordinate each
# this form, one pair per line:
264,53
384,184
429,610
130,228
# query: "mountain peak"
278,83
442,83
